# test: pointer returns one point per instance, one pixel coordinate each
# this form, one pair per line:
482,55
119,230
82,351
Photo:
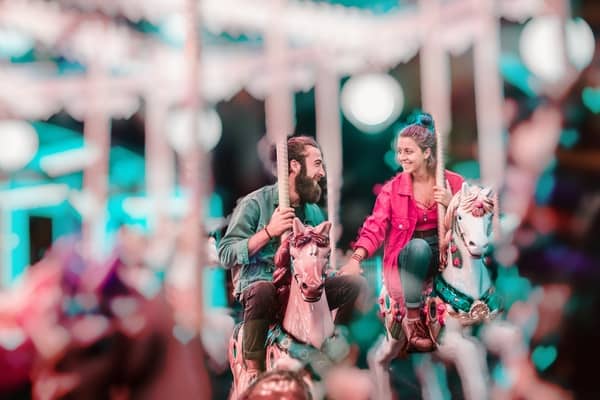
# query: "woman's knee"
416,257
419,248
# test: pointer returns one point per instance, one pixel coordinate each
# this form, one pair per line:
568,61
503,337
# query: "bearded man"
252,238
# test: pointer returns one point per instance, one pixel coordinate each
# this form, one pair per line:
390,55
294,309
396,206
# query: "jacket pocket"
401,224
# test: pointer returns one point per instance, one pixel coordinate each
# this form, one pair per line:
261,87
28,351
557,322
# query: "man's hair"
296,151
297,148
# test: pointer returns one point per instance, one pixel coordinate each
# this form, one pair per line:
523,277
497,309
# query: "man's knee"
261,292
356,285
352,285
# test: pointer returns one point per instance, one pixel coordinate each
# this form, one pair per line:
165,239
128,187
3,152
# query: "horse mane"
473,202
282,276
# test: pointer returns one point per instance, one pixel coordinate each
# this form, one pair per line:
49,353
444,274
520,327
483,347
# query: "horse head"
309,251
468,218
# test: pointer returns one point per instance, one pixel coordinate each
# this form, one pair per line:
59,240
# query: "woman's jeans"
417,261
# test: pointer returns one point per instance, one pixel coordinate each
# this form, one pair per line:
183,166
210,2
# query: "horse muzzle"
311,294
477,250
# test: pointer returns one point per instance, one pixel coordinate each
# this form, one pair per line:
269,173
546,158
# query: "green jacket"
251,214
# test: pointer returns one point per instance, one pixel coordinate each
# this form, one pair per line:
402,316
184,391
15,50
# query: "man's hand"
352,267
281,221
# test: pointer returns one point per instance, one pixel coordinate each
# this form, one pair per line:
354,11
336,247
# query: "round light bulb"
371,102
180,125
18,144
541,54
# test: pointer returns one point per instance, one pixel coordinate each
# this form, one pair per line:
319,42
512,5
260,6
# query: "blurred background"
130,128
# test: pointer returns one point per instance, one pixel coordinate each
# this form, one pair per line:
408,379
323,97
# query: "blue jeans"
418,261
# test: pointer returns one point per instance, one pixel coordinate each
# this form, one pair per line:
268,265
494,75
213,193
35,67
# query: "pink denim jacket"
393,219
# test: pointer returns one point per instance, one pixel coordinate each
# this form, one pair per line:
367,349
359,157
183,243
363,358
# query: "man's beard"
307,188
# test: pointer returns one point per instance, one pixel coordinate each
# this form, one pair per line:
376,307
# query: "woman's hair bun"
425,120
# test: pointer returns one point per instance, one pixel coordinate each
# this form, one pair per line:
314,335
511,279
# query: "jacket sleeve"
373,231
233,247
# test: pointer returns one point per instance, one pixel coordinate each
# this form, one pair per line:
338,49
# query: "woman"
405,219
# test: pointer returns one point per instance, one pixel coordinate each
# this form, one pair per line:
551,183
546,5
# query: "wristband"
268,234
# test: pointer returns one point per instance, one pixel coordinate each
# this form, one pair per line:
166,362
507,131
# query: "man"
252,238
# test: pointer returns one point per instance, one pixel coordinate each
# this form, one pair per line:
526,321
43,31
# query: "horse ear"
297,226
323,228
464,188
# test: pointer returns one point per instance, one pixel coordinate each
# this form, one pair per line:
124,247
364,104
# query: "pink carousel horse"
460,297
306,338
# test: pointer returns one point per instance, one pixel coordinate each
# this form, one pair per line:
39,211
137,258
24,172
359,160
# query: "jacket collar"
405,184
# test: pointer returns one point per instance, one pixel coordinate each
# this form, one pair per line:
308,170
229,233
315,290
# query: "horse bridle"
305,238
461,233
302,240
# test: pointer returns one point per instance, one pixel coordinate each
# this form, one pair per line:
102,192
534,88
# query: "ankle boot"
417,333
247,378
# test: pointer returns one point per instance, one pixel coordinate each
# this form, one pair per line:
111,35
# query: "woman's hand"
442,195
352,267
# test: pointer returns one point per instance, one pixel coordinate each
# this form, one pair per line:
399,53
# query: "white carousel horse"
461,295
307,338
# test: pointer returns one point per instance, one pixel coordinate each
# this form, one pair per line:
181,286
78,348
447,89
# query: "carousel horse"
96,335
460,296
306,338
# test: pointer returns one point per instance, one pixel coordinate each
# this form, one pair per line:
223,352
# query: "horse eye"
459,217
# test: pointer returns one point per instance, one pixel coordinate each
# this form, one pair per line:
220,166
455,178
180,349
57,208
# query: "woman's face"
410,156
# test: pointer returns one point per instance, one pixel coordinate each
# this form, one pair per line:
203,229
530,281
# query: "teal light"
501,377
543,357
127,170
390,160
470,169
515,73
511,286
215,206
591,99
545,187
569,137
214,288
375,6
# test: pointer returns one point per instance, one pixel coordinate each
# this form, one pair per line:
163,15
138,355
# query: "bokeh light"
179,127
371,102
18,144
539,46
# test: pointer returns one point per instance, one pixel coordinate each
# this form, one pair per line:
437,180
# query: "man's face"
311,172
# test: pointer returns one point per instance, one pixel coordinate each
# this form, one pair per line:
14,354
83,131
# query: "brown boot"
416,332
253,371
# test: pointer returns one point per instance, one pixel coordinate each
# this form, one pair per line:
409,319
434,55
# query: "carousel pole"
279,100
160,172
435,91
96,132
329,135
489,102
193,180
